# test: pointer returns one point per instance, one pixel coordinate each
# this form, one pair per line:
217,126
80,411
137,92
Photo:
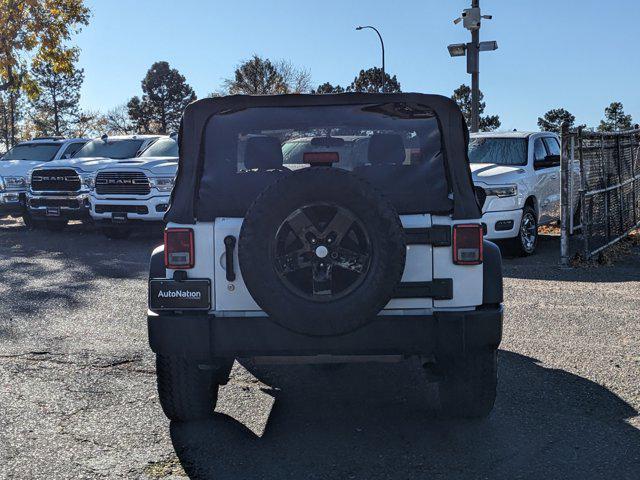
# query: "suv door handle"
229,246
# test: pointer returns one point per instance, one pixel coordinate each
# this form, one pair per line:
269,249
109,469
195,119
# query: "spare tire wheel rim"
321,252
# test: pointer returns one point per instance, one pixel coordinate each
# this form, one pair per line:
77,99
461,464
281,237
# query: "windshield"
501,151
43,152
110,148
396,147
164,147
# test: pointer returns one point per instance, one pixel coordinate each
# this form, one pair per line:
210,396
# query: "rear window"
395,146
43,152
501,151
110,148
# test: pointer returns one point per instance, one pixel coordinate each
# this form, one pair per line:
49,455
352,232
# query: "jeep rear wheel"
321,251
468,386
187,391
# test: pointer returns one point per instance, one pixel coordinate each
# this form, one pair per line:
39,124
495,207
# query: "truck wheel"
55,225
116,233
186,391
527,240
321,251
468,387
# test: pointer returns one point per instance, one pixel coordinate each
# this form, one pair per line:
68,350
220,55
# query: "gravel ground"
78,400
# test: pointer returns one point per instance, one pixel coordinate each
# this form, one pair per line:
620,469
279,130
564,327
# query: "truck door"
553,147
544,181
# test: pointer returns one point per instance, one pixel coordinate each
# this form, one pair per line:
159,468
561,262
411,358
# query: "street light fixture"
457,49
384,77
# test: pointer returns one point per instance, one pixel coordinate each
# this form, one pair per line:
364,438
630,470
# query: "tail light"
178,248
467,244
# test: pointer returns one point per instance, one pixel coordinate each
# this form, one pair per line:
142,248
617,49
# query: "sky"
580,55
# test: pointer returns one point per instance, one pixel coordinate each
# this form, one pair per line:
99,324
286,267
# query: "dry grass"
611,255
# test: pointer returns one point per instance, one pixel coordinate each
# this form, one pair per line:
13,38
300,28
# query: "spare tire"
321,251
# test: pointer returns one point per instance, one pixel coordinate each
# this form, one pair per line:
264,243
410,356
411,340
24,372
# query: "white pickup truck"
520,174
59,190
15,166
135,191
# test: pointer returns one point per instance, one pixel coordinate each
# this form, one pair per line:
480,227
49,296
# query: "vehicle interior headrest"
263,153
386,149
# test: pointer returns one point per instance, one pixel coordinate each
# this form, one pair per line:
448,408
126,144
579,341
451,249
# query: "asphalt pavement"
78,399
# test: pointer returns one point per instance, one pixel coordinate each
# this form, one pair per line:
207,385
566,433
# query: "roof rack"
53,137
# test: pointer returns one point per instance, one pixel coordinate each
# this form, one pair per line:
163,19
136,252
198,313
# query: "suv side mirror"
548,161
481,196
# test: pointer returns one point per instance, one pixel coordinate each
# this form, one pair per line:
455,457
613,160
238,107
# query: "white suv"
345,254
520,174
15,166
59,190
135,191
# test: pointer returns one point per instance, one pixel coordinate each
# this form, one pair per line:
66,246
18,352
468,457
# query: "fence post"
585,217
564,195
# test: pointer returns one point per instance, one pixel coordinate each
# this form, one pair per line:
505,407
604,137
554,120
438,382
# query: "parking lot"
78,399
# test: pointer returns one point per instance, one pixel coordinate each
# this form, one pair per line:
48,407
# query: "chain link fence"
600,189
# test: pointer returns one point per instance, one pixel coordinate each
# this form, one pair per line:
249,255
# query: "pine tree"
615,119
55,109
462,96
165,95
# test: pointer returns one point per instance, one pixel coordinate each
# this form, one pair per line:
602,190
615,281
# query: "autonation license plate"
185,295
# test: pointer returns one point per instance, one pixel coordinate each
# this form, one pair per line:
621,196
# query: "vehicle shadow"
378,421
545,265
40,266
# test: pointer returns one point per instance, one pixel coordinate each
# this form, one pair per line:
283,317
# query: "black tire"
333,314
116,233
468,386
55,225
527,240
188,392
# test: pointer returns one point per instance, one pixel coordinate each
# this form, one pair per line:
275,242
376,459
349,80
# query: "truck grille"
55,180
122,183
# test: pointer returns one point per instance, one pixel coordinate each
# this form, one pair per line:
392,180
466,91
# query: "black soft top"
455,139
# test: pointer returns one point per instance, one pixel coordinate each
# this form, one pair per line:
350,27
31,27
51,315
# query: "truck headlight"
88,180
502,191
14,183
163,184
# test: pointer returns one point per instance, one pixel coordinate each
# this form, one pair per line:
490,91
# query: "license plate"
119,217
53,211
165,294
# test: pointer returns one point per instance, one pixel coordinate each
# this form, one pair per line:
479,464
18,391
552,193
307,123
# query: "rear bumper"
206,337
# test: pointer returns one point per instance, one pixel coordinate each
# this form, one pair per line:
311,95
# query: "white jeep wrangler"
376,256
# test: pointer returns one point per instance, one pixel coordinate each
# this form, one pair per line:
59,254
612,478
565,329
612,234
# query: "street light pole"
384,77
